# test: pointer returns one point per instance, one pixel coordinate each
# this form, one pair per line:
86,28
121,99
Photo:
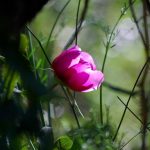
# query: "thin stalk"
31,145
77,16
124,112
43,50
105,57
83,14
144,99
74,101
130,140
137,25
53,27
132,113
36,76
31,49
72,106
51,32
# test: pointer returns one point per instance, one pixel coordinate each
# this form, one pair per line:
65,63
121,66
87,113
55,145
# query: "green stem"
130,140
105,57
40,44
31,144
72,106
77,16
133,113
74,101
36,74
124,112
53,27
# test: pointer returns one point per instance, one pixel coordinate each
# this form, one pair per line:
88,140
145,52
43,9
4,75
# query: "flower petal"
77,81
81,78
95,80
85,57
77,70
66,59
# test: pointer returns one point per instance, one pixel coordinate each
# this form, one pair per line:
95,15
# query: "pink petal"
74,48
77,70
81,78
85,57
66,59
77,81
95,79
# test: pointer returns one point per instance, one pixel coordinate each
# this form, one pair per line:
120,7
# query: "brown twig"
136,22
145,39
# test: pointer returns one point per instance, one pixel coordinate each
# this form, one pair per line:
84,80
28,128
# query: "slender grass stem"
74,101
42,48
36,76
130,140
132,112
103,67
53,27
108,45
47,43
72,106
77,16
31,50
124,112
32,145
80,22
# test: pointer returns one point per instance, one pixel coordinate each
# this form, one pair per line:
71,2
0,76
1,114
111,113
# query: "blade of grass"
75,102
36,75
53,27
124,112
71,105
130,140
40,44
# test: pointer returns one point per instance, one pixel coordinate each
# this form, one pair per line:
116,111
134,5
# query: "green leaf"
11,77
39,63
24,43
64,142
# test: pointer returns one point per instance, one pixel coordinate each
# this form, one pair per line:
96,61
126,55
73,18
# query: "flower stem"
73,97
72,106
53,27
40,44
77,16
108,45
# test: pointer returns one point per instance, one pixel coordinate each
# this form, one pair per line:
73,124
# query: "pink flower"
77,70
